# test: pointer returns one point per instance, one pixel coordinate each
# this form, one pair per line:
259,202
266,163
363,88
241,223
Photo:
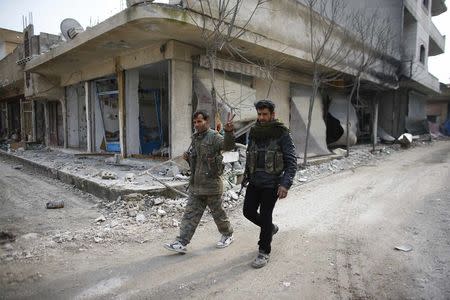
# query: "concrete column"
22,121
132,111
63,102
73,126
122,113
180,97
87,89
375,123
47,124
33,120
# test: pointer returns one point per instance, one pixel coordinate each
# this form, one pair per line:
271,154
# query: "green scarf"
267,131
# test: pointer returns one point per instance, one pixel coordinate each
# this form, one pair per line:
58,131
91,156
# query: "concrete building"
404,109
131,83
438,111
11,81
19,95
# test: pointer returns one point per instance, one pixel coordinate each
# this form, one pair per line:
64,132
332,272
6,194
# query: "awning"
233,94
299,119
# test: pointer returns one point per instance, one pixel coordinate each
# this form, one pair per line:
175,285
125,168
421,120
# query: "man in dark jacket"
205,184
270,169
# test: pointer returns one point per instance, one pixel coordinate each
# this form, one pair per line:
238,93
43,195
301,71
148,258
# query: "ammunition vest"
272,157
207,156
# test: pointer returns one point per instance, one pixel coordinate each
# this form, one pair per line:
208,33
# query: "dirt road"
336,241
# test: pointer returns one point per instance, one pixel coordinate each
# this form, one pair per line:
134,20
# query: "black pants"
265,199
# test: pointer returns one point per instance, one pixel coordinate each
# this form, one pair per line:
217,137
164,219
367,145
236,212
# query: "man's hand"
282,192
229,125
186,156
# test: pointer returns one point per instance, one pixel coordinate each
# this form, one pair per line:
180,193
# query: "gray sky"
48,14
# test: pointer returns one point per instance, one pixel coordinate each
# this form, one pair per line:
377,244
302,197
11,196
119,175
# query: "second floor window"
422,54
425,4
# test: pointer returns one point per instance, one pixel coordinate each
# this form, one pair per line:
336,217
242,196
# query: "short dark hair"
265,103
203,113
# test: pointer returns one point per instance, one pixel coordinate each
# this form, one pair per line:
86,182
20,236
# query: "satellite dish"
70,28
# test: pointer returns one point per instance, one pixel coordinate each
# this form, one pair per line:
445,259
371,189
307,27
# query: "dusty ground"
336,239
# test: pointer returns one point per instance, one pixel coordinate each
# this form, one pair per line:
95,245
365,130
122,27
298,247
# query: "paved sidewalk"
88,172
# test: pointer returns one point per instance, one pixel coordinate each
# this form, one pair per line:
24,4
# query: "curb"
98,190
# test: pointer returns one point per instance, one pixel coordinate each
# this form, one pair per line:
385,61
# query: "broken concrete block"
140,218
172,171
100,219
97,239
175,223
129,177
132,212
133,197
158,201
114,223
108,175
161,212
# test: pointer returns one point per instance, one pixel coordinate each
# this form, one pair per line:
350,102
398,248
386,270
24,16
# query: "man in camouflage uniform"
270,169
205,184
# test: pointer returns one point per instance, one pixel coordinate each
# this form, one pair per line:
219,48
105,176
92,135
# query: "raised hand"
229,124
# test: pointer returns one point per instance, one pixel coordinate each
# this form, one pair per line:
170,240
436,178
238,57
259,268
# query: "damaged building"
130,84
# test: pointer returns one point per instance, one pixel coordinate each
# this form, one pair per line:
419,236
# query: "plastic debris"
404,248
55,204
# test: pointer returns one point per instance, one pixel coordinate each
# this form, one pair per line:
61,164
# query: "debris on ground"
55,204
405,140
108,175
6,237
129,217
404,248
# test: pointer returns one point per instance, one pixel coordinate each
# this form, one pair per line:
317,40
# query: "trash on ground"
405,140
55,204
404,248
6,237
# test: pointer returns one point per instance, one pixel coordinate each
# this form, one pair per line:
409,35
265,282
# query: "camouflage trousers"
193,213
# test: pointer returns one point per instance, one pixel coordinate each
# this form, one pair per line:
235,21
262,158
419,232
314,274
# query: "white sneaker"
176,246
261,260
225,241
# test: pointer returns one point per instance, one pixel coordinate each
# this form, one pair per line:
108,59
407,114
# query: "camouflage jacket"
205,160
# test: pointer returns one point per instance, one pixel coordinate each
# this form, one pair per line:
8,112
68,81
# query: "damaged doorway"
55,118
39,122
13,108
107,94
154,109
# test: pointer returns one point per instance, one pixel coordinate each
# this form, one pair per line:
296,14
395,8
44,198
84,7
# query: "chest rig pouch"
210,158
272,158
